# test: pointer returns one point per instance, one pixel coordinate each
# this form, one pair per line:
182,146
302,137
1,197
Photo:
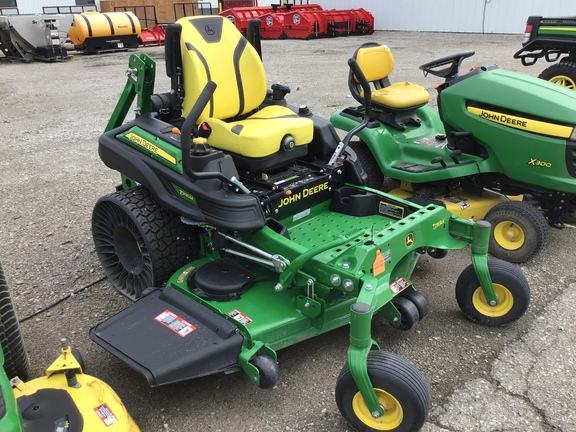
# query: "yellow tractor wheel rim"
509,235
564,81
393,413
505,301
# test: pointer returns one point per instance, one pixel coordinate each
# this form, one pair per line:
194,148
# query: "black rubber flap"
168,337
222,279
50,410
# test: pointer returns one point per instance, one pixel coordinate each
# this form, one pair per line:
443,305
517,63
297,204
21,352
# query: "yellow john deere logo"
142,142
523,123
409,240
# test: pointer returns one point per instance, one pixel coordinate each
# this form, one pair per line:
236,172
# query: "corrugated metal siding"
470,16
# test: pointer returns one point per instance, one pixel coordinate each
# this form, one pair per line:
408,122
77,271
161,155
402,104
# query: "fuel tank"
109,31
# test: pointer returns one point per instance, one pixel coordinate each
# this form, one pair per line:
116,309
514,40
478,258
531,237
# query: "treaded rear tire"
529,228
140,244
16,361
563,74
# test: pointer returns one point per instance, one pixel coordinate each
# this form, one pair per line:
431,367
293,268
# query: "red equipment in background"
154,36
304,21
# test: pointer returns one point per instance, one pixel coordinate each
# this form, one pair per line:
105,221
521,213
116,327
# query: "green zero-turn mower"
66,399
241,227
501,147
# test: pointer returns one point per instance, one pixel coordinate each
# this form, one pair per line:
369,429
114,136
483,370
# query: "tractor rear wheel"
510,286
563,74
519,231
400,388
139,244
375,180
16,362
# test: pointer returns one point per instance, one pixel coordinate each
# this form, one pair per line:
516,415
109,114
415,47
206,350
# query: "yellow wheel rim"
509,235
505,301
393,413
564,81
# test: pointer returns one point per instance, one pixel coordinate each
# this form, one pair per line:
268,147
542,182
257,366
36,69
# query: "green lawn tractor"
66,399
500,148
241,227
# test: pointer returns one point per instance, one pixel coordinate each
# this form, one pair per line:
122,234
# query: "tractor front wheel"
563,74
519,231
139,244
400,388
510,286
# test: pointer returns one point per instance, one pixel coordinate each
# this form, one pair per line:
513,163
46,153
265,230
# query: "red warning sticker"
175,323
106,414
399,285
240,317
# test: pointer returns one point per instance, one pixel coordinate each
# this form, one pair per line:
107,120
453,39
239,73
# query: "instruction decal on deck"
391,210
399,285
240,317
105,414
175,323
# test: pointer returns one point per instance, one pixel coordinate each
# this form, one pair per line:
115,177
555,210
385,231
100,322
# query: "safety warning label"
175,323
105,414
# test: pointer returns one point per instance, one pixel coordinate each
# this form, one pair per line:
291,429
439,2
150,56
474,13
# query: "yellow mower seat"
213,49
377,63
395,104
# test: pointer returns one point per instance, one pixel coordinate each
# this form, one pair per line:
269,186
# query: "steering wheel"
452,61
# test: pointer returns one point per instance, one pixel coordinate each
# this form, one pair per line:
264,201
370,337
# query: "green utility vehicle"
242,226
553,39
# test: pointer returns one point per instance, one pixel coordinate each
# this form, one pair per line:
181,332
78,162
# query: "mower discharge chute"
241,228
501,146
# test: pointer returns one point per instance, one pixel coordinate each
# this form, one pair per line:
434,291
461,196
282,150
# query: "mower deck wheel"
268,369
139,244
563,74
510,286
16,362
519,231
409,312
401,390
419,301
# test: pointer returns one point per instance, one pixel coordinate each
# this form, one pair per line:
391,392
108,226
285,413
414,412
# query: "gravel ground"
51,117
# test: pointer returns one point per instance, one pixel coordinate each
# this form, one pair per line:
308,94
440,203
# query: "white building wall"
468,16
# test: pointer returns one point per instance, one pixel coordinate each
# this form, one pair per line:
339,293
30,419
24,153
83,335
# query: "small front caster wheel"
408,312
510,286
268,369
400,388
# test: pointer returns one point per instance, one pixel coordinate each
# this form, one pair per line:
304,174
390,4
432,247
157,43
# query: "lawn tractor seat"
257,137
395,103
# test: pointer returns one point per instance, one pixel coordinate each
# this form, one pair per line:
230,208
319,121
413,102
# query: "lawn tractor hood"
516,120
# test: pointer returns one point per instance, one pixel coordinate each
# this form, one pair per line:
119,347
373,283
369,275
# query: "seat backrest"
213,49
376,61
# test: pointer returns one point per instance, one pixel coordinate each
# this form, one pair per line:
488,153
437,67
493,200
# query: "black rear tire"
563,74
139,244
16,362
